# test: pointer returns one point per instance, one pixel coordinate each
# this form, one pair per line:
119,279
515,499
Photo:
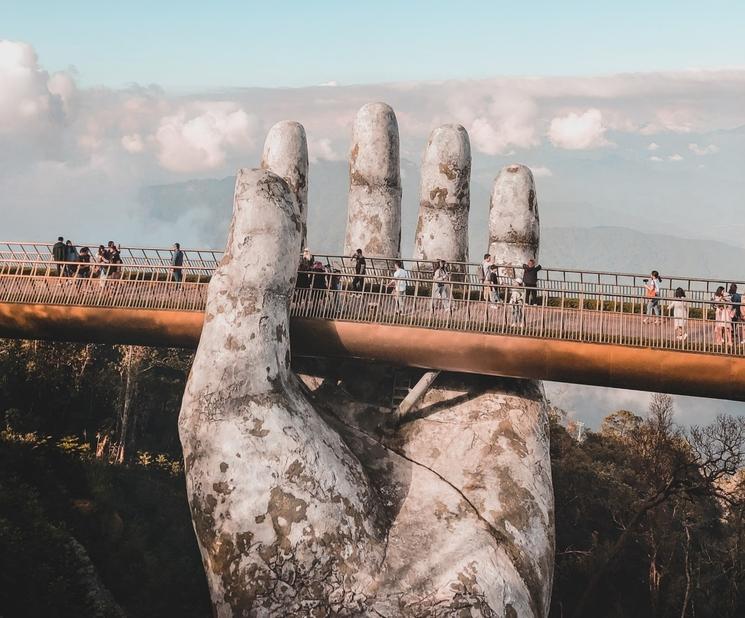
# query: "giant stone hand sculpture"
308,501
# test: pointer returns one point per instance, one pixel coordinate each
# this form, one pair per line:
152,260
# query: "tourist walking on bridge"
652,293
84,268
114,258
177,261
360,269
399,285
440,287
101,261
722,317
530,280
486,270
58,254
679,310
517,299
736,299
71,257
493,284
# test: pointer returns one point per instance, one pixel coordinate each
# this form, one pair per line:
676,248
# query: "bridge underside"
638,368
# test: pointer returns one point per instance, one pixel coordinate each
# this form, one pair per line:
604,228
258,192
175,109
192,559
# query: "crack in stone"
530,580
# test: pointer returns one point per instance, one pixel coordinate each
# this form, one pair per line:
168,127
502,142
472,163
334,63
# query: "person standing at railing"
722,305
58,254
303,270
399,284
493,283
114,258
679,309
652,293
736,299
335,289
71,256
530,279
318,283
486,268
100,270
441,287
84,268
517,299
177,261
360,269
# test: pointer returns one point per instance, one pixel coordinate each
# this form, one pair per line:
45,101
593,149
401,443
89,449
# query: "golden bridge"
587,327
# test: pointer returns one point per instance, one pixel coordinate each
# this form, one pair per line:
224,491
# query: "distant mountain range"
573,235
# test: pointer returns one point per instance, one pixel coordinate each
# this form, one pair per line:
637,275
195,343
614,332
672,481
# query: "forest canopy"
650,517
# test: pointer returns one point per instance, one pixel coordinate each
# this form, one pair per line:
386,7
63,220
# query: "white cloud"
579,132
30,100
675,157
331,84
541,171
653,146
673,120
656,159
133,143
322,149
702,151
503,122
198,139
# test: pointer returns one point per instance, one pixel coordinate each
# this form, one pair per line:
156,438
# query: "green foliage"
646,523
83,537
648,520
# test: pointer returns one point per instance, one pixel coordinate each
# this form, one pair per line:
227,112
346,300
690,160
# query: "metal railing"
200,263
463,305
196,261
704,326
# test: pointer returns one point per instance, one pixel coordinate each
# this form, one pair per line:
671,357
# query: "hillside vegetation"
650,519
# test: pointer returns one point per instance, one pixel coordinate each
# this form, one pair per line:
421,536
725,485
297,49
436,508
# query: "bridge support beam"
415,394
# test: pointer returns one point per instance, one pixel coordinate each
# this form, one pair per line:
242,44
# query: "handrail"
216,255
603,317
549,277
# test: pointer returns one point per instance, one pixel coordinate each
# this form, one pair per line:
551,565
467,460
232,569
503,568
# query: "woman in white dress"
722,316
679,310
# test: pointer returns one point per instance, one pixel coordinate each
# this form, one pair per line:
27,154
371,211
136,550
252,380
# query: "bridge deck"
576,333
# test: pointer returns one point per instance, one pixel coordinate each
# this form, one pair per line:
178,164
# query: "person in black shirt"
58,254
177,261
530,281
493,281
115,258
71,256
84,270
360,268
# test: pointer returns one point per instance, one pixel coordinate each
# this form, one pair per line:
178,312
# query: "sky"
128,120
218,44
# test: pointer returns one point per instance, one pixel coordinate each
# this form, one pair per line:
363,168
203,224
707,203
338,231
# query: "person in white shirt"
722,304
679,309
652,292
485,272
440,287
517,299
399,284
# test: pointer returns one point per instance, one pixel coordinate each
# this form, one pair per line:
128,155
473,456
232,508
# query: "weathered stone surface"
374,205
488,440
466,488
283,512
444,198
308,499
286,154
514,224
